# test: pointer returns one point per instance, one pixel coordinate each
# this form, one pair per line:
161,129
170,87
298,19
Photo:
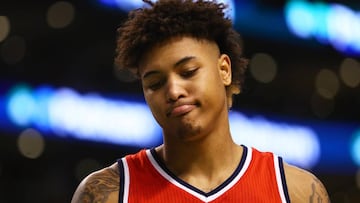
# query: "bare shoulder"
100,186
303,186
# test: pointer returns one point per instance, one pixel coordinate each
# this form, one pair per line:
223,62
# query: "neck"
205,162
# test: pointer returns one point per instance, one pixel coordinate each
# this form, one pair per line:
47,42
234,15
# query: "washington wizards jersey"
259,177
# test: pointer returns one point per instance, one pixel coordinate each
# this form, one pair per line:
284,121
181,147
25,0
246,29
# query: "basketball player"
188,59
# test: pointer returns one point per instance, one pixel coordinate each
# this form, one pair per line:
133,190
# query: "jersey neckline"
204,196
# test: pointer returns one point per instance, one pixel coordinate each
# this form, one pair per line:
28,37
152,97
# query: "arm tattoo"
99,187
319,194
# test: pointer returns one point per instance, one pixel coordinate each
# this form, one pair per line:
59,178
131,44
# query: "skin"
184,82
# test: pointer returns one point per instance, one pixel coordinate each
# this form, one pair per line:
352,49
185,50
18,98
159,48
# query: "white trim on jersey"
194,193
126,180
279,179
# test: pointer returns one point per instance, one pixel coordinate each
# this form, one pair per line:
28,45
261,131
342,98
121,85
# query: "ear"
225,69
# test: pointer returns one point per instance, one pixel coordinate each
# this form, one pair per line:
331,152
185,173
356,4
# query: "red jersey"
259,177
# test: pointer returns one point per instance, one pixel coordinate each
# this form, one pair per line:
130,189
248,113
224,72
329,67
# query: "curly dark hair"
166,19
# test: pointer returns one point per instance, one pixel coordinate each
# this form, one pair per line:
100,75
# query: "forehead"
176,48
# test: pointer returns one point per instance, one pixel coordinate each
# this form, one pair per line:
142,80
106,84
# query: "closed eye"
156,85
188,73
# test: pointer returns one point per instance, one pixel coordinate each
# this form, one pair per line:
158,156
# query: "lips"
180,110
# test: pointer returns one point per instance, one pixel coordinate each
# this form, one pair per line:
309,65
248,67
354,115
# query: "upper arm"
303,186
101,187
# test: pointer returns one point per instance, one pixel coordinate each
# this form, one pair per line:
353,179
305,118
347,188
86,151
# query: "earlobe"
225,69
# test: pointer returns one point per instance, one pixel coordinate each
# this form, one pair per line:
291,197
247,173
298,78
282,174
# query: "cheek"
212,83
155,105
213,91
151,101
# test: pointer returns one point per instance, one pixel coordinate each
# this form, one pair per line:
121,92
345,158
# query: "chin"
189,130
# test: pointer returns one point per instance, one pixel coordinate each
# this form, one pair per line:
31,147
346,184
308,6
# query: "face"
184,82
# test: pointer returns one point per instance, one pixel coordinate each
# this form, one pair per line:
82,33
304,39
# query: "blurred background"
65,112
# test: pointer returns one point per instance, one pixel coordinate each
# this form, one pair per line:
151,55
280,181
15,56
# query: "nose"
175,89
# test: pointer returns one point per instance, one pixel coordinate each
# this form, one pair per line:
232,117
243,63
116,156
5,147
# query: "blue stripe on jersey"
122,180
283,180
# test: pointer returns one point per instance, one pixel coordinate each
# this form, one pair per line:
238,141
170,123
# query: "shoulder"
303,186
100,186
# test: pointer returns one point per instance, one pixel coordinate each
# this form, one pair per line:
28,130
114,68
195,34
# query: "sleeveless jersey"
259,177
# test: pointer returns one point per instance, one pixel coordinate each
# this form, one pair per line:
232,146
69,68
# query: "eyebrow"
183,60
176,64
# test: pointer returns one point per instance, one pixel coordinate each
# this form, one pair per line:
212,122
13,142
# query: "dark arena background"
65,112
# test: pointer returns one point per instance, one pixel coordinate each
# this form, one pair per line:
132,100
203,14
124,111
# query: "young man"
188,58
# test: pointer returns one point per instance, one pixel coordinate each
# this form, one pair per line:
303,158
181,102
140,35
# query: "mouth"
180,110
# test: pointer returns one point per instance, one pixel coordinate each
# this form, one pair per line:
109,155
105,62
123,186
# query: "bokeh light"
60,14
297,144
350,72
31,143
263,67
42,96
341,24
327,83
4,27
20,105
13,50
355,147
298,18
333,23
